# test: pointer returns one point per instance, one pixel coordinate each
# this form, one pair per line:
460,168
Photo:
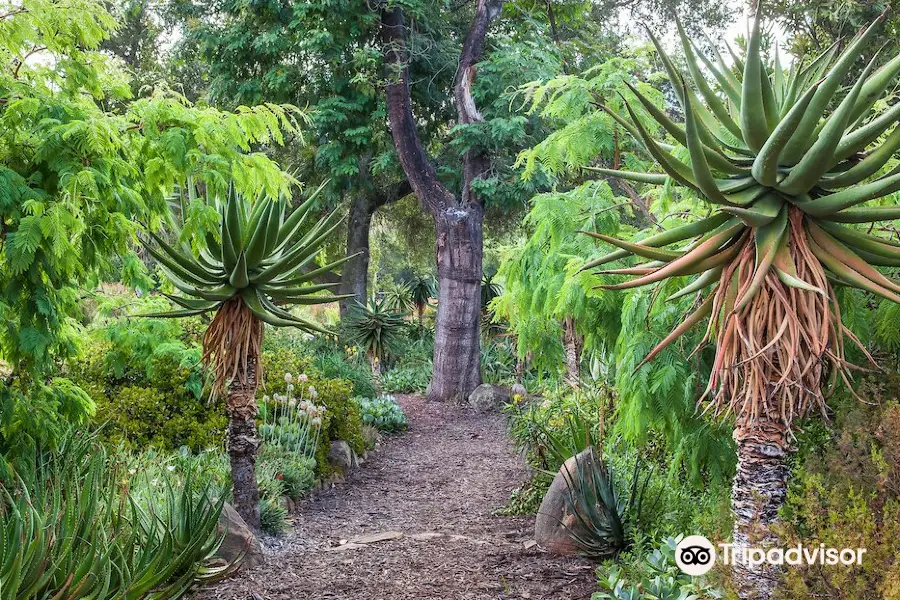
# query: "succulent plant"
259,264
261,256
786,176
786,159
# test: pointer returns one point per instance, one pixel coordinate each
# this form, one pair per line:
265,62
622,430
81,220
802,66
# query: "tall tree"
458,219
785,190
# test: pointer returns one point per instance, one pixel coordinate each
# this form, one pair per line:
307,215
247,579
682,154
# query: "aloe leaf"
803,137
637,249
858,139
838,201
765,167
818,159
867,167
769,238
761,213
706,279
754,121
650,178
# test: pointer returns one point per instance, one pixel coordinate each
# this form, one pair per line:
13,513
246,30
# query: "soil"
417,522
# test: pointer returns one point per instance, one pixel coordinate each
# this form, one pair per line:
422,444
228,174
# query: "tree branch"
475,161
416,164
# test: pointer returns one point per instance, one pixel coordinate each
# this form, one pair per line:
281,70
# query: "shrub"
114,523
338,365
384,413
845,493
144,416
407,379
655,577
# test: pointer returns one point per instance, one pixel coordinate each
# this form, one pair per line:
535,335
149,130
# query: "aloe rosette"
260,264
787,159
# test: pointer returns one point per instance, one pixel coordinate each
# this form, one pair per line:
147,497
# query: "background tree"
299,53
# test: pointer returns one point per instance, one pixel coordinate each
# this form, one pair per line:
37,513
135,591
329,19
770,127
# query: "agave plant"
785,159
376,330
259,264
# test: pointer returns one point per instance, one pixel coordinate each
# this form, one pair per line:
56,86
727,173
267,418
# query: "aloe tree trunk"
759,491
243,442
573,352
458,219
376,373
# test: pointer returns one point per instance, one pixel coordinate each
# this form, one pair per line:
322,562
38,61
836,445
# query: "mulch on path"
437,485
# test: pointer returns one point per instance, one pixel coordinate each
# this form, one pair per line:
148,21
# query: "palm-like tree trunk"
759,491
243,442
376,373
573,352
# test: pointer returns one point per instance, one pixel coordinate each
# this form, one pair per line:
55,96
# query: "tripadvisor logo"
695,555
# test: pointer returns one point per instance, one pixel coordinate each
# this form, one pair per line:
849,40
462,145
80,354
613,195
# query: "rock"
518,390
374,538
342,456
239,539
488,398
555,521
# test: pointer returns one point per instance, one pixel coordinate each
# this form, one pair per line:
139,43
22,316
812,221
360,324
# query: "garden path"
438,485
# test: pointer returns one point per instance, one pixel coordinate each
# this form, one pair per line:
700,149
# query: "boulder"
556,523
239,539
488,398
342,456
519,390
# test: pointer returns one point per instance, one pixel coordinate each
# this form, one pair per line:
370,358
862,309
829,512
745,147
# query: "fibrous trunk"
457,341
376,373
759,491
231,351
573,352
243,443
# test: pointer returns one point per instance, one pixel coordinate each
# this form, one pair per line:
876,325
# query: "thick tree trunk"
759,491
458,220
573,352
355,274
243,443
457,338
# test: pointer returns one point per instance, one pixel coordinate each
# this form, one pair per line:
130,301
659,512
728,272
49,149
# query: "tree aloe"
786,159
376,329
259,262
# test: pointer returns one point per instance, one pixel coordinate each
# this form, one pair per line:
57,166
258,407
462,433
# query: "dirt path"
438,485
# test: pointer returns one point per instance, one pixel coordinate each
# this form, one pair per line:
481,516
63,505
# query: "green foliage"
338,365
77,158
407,379
259,256
145,377
125,535
544,284
383,413
845,493
39,416
662,396
657,577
